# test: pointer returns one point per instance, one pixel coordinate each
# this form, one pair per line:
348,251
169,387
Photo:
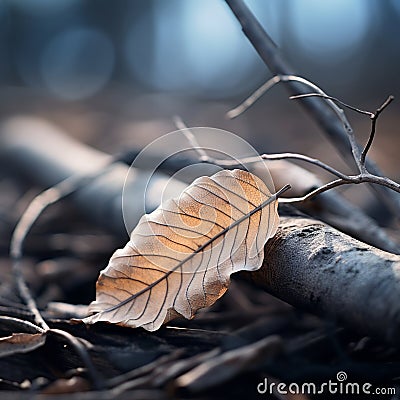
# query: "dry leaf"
21,343
180,256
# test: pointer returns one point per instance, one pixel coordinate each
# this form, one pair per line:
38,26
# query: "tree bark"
313,266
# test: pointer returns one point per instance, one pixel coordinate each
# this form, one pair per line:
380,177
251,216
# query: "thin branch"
241,108
302,96
41,202
272,57
374,118
27,220
27,296
21,323
353,179
278,156
312,194
191,138
302,157
204,157
329,100
246,104
83,355
24,225
363,177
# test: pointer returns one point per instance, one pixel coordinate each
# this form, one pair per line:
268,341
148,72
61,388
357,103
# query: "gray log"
44,154
313,266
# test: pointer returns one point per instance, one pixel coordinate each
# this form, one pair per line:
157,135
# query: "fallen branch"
313,266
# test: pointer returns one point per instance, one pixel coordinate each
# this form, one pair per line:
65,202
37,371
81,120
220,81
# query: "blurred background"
114,73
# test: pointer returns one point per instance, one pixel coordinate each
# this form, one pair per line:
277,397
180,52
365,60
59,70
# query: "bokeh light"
77,63
75,48
330,28
197,46
43,7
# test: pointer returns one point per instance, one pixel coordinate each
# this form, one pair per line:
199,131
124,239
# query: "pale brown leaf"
21,343
180,257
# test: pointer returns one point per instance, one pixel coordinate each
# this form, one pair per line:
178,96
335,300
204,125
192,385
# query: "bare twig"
343,178
303,96
191,138
241,108
351,179
44,200
73,341
337,110
379,238
35,208
21,323
83,354
27,296
272,57
278,156
324,116
204,157
363,177
374,118
31,214
24,225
